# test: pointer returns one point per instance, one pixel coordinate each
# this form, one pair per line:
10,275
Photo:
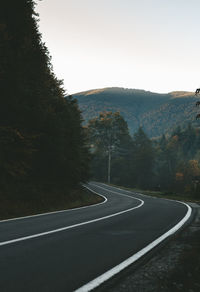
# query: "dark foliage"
132,159
169,164
41,138
177,167
109,136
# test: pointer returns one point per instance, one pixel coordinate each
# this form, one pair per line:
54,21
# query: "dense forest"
156,113
43,149
46,153
168,164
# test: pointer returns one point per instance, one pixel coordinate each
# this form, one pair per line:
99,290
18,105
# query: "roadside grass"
13,207
166,195
184,276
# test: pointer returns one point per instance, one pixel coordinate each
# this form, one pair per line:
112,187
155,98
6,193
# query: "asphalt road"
66,250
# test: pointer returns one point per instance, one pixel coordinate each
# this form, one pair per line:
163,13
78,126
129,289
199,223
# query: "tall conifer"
33,104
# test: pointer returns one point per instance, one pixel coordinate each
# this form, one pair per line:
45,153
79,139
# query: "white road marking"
108,190
115,270
75,225
130,192
57,212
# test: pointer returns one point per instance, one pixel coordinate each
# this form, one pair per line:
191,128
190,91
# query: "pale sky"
144,44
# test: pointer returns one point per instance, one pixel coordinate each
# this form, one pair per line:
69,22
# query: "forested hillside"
169,164
156,113
43,154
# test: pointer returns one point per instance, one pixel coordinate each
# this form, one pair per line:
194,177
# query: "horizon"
127,88
124,43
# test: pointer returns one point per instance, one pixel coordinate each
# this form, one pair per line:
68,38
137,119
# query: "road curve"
73,249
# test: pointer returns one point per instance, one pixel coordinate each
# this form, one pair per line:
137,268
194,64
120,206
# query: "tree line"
169,164
44,150
42,142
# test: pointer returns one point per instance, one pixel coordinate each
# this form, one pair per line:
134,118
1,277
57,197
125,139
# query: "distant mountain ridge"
156,113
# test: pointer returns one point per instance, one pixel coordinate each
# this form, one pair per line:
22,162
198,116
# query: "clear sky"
144,44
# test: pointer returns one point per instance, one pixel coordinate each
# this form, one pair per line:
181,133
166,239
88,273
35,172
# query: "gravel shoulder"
174,267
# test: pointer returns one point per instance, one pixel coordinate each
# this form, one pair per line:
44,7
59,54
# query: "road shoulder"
175,267
30,206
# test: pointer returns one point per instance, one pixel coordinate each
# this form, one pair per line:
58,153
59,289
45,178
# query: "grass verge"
184,276
166,195
12,207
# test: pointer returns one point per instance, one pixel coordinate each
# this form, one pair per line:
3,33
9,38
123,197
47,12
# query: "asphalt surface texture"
83,243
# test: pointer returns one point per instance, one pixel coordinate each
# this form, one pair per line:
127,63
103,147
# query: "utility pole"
109,163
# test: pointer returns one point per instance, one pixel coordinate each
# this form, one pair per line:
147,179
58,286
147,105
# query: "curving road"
81,248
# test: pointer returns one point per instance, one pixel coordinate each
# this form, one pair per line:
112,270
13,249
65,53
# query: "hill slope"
156,113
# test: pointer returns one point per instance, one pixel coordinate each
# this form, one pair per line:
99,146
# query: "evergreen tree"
34,110
142,160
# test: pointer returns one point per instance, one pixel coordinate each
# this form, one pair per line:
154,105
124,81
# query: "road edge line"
115,270
11,241
60,211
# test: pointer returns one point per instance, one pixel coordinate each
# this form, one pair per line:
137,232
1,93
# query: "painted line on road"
130,192
57,212
75,225
115,270
108,190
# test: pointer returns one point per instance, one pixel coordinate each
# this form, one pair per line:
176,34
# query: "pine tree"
142,160
33,103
